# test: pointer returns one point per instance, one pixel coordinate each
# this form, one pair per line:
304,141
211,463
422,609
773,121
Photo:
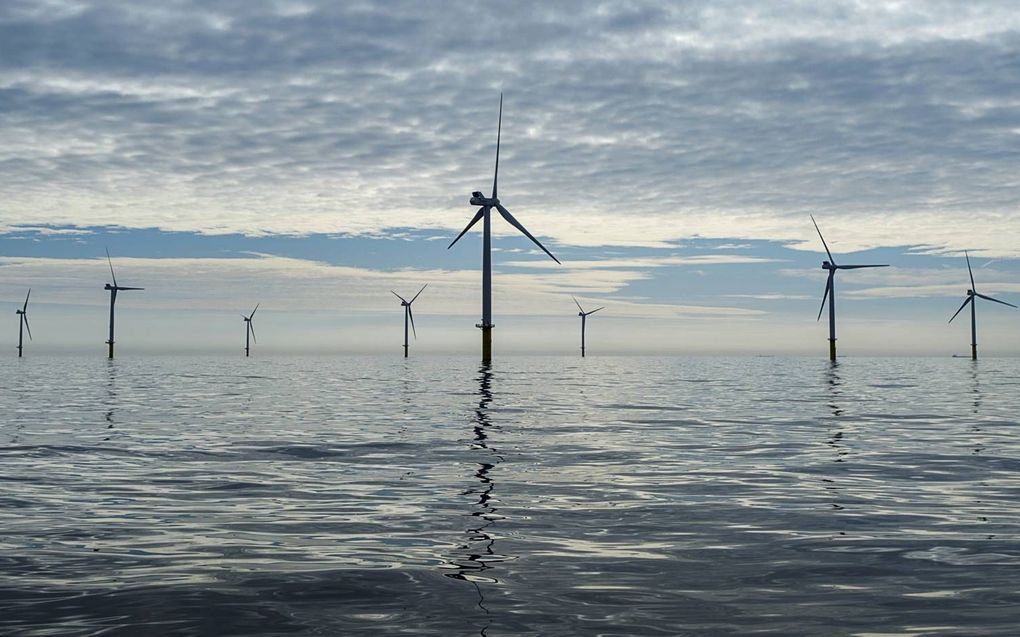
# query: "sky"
312,156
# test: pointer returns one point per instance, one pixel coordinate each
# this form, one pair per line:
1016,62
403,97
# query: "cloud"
625,123
310,286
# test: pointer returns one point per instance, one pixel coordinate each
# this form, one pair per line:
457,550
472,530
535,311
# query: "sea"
534,496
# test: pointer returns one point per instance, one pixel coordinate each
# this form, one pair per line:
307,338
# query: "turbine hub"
828,266
970,292
107,287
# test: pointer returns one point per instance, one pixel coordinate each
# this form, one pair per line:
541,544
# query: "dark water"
546,496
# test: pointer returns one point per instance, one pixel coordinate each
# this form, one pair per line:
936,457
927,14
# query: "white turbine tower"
972,293
408,315
487,204
830,290
113,298
584,318
249,330
23,323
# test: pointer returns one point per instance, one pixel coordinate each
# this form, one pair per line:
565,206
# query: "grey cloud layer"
627,122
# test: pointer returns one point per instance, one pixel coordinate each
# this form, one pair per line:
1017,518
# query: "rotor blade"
596,310
825,297
27,326
419,293
110,261
969,299
988,298
252,328
517,224
577,304
410,315
970,272
478,215
255,310
25,307
831,260
398,296
858,267
499,130
122,288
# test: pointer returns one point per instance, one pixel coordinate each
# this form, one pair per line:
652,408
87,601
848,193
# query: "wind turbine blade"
858,267
831,260
577,304
499,131
517,224
120,288
970,272
27,326
988,298
478,215
398,296
25,307
969,300
255,310
110,261
419,293
410,315
825,297
597,309
252,328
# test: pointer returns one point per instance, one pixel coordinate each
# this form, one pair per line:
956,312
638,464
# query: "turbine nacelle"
970,292
478,199
829,266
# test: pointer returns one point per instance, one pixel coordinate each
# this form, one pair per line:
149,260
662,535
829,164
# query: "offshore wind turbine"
972,293
584,318
23,323
487,204
249,330
830,290
408,315
113,298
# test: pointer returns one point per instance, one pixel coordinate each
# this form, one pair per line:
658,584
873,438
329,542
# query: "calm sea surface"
543,496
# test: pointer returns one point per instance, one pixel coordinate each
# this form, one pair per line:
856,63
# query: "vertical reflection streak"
480,543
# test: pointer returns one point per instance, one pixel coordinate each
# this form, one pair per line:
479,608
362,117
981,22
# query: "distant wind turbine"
487,204
249,330
584,317
23,323
830,290
113,298
971,294
408,315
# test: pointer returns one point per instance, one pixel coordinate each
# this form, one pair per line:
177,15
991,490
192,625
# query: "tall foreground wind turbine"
487,204
23,323
113,298
830,290
971,294
408,315
249,330
584,317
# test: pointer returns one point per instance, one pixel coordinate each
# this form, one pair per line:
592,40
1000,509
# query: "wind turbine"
23,323
971,294
830,290
249,330
487,204
408,315
113,298
584,318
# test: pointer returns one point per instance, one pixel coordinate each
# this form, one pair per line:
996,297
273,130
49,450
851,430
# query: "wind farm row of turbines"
483,214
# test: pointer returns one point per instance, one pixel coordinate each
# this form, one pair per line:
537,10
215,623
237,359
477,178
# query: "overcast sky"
313,155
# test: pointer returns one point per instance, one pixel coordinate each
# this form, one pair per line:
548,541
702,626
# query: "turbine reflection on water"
480,541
